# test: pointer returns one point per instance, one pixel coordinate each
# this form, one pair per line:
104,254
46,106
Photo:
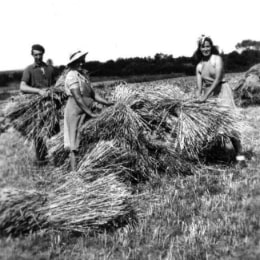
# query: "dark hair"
198,55
73,64
37,47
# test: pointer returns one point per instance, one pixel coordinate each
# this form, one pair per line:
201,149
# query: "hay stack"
247,92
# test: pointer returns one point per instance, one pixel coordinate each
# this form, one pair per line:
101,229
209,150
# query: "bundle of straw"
106,158
192,127
153,107
77,205
56,152
38,116
104,154
119,122
200,125
125,94
19,211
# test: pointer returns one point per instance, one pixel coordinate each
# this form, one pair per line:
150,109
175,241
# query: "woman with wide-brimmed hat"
79,104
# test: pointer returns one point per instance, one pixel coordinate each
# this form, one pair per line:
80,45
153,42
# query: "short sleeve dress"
223,92
74,116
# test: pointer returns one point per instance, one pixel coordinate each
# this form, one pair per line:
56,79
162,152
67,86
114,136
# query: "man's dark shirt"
38,76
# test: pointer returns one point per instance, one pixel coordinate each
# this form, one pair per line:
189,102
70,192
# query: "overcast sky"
109,29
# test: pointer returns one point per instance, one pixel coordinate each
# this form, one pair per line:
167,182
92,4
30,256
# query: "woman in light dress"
211,82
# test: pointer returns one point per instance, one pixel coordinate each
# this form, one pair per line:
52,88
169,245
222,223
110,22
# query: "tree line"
246,55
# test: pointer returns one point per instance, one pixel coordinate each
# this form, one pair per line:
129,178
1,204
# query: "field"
213,214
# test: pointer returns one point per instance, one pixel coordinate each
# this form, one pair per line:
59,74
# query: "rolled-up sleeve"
72,80
27,76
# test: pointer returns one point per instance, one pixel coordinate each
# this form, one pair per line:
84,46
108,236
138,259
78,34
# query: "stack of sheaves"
247,91
150,125
145,134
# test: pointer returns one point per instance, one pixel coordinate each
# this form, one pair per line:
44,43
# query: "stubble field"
213,214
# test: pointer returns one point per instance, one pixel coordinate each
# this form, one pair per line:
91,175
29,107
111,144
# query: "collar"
43,64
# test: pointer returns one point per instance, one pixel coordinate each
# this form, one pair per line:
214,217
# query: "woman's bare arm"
101,100
199,80
219,76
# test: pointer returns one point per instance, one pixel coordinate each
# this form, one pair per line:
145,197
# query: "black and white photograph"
130,130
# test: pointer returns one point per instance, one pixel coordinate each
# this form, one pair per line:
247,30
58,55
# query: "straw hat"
76,56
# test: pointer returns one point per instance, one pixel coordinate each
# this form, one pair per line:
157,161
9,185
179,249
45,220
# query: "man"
35,80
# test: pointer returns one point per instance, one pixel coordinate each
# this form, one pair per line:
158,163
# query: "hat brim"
78,58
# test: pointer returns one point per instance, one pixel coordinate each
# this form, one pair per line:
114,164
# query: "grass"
213,214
